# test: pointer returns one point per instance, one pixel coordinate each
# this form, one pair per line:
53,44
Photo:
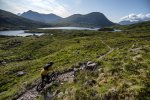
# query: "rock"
101,76
20,73
90,83
91,65
101,70
48,96
75,69
2,62
60,95
66,92
55,93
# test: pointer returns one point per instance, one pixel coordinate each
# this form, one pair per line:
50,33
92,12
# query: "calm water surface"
22,33
71,28
18,33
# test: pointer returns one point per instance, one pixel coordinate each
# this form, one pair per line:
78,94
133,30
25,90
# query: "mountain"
128,22
136,26
46,18
139,26
134,18
94,19
11,21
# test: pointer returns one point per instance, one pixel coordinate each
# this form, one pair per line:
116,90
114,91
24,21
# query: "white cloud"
136,17
42,6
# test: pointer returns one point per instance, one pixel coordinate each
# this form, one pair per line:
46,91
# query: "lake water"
76,28
71,28
18,33
22,33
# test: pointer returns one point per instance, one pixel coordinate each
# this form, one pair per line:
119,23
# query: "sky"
115,10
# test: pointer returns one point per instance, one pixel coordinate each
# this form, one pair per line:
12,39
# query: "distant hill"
126,22
140,26
11,21
129,22
46,18
94,19
134,18
137,26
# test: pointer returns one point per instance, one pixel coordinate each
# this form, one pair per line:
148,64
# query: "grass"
66,48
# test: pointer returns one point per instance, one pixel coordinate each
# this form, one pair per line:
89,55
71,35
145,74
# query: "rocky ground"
66,76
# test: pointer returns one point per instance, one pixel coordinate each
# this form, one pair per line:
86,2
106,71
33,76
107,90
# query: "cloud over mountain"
134,18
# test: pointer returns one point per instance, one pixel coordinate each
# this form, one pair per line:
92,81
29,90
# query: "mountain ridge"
93,19
46,18
9,20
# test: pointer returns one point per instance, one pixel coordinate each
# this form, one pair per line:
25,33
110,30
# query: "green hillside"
143,26
123,70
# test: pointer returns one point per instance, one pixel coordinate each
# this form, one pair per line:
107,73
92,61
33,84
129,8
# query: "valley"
122,59
74,50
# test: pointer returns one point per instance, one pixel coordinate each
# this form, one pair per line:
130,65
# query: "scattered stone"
66,92
90,83
75,69
29,95
56,92
91,65
60,95
101,76
101,70
48,96
2,62
20,73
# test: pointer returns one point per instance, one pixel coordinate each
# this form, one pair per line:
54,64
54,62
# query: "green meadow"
122,73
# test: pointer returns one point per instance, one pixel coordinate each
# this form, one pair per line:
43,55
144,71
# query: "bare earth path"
65,77
32,94
107,53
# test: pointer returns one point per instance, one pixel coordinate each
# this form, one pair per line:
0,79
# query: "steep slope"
46,18
11,21
92,19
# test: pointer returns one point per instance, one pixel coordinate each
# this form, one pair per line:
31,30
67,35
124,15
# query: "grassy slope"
143,26
123,69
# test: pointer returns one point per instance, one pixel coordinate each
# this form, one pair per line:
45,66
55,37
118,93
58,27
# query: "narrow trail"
107,53
66,76
29,95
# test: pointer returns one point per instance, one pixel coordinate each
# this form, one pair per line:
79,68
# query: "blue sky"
113,9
